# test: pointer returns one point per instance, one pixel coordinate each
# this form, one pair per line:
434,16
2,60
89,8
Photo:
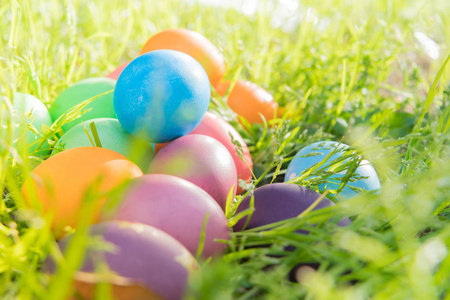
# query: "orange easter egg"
247,99
60,184
193,44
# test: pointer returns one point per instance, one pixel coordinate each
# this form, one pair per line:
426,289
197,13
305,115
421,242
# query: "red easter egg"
116,73
219,129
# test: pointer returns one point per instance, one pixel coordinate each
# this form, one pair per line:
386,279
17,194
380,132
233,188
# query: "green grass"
351,71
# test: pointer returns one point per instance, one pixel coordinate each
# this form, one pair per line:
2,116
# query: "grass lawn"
371,74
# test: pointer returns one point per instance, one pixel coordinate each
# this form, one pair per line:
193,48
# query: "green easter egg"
101,107
110,135
27,109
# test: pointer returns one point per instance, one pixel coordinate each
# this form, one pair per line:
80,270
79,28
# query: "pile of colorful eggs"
174,212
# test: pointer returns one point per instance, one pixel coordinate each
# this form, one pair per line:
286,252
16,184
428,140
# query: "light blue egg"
162,95
318,152
26,110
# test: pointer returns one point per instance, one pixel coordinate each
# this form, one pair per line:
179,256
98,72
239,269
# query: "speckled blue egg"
365,176
162,95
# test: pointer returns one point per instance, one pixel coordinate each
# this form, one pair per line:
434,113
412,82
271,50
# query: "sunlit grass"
350,71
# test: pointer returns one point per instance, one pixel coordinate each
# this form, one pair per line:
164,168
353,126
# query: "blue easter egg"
162,95
365,177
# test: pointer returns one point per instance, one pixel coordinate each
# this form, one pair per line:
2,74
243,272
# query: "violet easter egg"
178,208
101,107
110,135
278,202
116,72
201,160
148,261
26,109
366,177
162,95
60,183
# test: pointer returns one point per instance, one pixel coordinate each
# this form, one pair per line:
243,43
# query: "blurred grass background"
356,71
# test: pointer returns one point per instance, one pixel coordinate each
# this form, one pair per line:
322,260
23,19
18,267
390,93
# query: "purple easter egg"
202,160
147,256
280,201
178,208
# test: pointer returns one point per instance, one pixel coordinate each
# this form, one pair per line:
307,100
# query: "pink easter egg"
177,207
219,129
201,160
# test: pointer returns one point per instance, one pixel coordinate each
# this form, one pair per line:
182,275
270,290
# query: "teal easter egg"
27,110
109,134
102,107
364,178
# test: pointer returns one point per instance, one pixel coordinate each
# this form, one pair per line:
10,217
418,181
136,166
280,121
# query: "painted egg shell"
116,73
317,152
111,135
177,207
162,95
217,128
27,109
101,107
193,44
280,201
249,100
61,182
144,257
201,160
